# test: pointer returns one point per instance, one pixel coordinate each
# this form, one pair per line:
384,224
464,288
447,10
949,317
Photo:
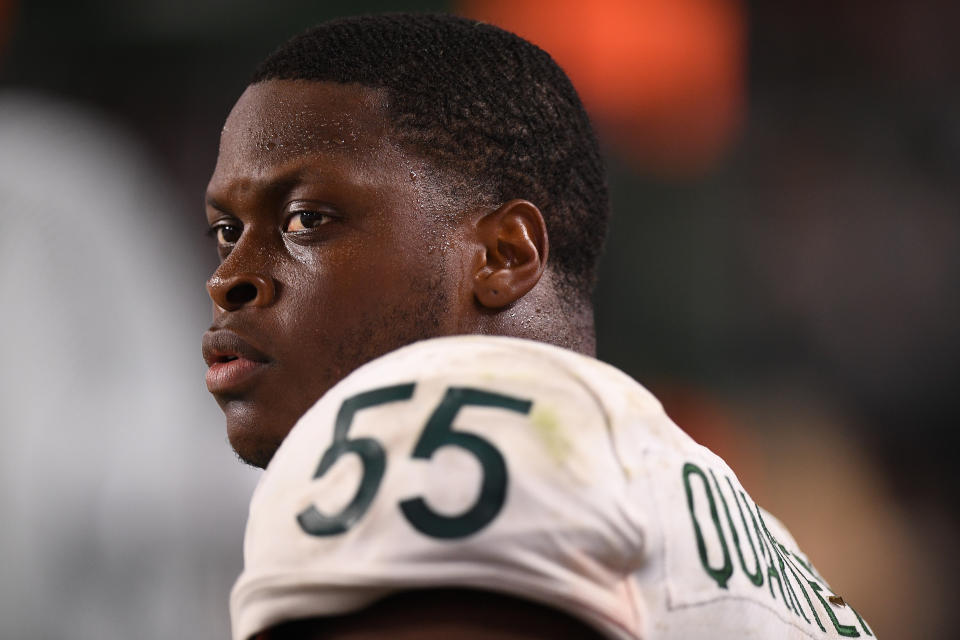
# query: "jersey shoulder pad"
472,461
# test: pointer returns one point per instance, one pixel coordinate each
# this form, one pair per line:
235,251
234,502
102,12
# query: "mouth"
233,362
225,357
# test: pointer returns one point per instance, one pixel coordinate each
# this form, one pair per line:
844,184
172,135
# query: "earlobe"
515,243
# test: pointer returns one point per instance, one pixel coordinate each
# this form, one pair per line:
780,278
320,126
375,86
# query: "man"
384,180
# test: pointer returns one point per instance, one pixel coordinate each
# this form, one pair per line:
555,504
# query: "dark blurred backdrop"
783,267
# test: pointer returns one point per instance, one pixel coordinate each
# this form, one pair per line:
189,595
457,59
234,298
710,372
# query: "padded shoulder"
516,467
472,462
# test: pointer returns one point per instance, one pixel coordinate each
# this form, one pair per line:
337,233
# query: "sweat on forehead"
290,117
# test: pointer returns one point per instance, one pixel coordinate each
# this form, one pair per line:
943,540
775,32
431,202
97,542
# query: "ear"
514,239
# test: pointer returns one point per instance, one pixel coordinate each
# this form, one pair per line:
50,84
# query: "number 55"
437,433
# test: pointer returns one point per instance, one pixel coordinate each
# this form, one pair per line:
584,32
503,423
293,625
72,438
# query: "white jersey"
512,466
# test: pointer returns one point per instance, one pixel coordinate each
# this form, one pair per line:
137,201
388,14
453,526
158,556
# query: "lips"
233,362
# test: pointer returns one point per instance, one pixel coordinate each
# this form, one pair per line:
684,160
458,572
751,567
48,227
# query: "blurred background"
783,271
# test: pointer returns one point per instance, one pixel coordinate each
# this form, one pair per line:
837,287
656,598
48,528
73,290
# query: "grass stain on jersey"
547,425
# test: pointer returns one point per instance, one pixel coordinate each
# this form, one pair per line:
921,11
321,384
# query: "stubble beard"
425,314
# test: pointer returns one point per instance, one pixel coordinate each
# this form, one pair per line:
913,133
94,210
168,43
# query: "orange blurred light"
663,79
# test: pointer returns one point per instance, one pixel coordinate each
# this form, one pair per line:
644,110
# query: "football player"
409,210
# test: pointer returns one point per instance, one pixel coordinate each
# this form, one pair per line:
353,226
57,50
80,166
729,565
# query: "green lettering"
801,585
845,630
809,567
772,573
776,550
786,581
720,575
757,576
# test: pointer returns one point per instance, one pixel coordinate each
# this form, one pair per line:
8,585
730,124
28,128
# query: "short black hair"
482,105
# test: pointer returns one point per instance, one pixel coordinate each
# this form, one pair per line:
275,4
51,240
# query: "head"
387,179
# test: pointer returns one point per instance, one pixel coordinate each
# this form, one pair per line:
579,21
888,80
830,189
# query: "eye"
226,232
302,220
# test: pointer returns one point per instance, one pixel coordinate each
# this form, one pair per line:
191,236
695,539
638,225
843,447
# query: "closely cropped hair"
484,106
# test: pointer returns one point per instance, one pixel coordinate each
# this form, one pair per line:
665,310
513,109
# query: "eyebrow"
271,187
215,204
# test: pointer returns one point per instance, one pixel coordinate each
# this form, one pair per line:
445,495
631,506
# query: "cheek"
335,310
382,275
364,299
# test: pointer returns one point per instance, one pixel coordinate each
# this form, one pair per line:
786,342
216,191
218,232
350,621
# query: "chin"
251,441
253,450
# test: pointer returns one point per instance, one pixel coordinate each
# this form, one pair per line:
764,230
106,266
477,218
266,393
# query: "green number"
371,453
439,433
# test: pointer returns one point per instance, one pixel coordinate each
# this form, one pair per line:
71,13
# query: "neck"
543,316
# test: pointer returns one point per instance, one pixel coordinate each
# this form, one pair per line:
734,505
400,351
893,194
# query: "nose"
241,290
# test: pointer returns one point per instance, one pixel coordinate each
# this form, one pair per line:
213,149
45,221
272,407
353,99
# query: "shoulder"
512,466
482,463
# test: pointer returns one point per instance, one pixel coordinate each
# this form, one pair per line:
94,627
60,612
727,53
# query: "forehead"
301,116
281,121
